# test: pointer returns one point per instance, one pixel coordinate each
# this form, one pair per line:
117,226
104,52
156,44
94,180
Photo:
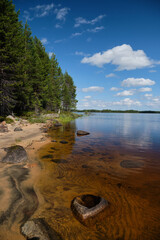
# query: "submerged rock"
63,142
131,164
15,154
88,206
57,124
81,133
38,229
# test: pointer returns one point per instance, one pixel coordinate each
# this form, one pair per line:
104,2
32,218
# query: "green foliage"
29,79
68,116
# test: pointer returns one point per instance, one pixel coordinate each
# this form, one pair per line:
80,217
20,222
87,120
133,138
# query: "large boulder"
15,154
81,133
39,229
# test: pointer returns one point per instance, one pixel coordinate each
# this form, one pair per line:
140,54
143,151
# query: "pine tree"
10,55
55,85
68,93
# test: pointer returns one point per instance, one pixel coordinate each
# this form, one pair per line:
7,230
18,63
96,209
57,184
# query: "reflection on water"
118,161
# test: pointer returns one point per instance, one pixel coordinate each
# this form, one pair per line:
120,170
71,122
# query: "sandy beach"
19,196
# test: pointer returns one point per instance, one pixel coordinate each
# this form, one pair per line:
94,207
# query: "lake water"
119,160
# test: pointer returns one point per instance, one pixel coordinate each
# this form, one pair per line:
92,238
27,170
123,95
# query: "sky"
111,48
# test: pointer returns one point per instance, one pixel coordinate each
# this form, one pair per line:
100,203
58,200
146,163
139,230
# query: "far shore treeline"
116,111
29,79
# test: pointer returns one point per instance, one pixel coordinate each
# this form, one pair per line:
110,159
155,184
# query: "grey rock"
81,133
38,229
57,124
15,154
18,129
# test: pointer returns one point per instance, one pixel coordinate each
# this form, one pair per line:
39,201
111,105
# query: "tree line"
29,79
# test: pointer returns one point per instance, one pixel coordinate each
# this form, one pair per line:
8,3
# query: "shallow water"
119,161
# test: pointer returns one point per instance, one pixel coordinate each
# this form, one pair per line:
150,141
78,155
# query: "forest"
29,79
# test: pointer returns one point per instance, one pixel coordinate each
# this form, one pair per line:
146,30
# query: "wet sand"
19,198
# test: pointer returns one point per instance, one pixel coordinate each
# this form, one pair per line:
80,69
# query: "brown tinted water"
125,174
119,161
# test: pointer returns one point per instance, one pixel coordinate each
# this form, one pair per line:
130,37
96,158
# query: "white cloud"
61,13
123,56
50,54
133,82
58,25
145,89
93,89
151,71
42,10
115,89
126,93
154,102
87,97
89,39
96,29
110,75
59,40
44,40
148,95
27,16
76,34
100,104
80,20
127,102
81,54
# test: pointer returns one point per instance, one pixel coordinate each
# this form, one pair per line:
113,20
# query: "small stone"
18,129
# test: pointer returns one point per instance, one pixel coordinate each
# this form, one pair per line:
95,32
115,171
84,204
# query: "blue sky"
111,48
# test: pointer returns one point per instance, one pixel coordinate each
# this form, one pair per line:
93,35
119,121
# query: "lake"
119,160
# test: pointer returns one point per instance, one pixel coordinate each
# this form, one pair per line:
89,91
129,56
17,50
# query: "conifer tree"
10,54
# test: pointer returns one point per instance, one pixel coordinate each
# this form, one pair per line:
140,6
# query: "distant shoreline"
118,111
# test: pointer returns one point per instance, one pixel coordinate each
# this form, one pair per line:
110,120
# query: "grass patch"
68,116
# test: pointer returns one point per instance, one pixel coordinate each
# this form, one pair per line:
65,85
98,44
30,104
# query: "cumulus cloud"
110,75
127,102
123,56
100,104
44,40
134,82
93,89
145,89
126,93
115,89
148,95
81,21
61,13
